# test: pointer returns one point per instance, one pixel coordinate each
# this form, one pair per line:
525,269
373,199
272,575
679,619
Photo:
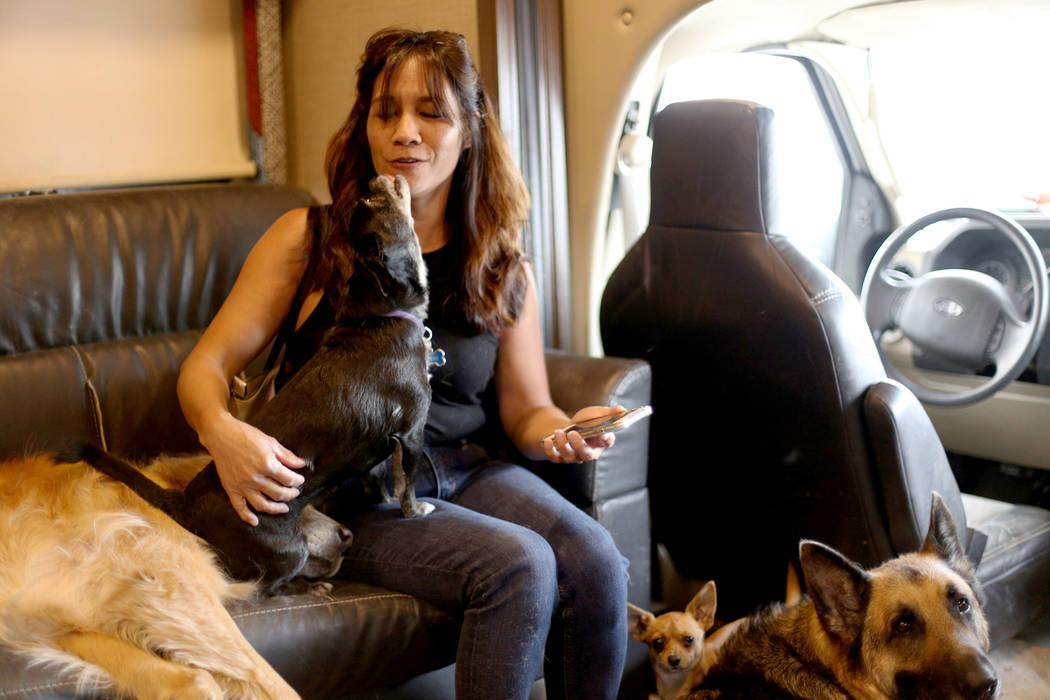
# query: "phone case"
603,424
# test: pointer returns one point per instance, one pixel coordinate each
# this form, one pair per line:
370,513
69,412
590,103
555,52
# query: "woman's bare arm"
525,407
254,468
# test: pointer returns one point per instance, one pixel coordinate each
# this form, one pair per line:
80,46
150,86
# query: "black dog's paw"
417,510
303,586
321,589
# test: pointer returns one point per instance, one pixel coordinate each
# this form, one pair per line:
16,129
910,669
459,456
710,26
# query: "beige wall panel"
606,44
323,41
99,92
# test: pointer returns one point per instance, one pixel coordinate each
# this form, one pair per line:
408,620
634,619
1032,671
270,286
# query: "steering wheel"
964,317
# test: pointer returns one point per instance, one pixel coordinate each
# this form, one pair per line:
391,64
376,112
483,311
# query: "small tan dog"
675,641
679,649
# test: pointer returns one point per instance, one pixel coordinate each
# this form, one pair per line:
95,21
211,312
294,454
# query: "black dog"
362,397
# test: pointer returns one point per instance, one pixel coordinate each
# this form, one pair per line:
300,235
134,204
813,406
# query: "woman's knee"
591,561
527,568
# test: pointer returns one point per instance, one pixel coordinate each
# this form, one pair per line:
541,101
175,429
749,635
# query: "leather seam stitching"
319,604
826,295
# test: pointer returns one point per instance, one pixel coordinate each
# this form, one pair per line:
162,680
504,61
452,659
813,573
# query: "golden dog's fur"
94,580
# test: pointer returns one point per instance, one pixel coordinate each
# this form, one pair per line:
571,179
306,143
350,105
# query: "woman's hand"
570,448
254,468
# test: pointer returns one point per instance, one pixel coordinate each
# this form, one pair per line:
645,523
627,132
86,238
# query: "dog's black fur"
363,396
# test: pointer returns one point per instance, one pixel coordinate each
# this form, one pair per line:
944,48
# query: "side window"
811,173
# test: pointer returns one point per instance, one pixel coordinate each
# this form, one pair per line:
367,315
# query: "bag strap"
315,221
243,387
288,325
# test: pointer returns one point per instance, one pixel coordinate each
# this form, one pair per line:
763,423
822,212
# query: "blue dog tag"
436,358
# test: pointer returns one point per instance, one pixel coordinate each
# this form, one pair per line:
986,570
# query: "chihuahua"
675,641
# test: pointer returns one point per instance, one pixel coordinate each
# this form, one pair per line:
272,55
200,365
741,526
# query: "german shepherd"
910,628
362,396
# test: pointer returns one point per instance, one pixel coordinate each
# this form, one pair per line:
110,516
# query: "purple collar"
435,358
407,316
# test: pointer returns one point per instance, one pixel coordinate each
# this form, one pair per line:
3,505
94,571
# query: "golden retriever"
94,580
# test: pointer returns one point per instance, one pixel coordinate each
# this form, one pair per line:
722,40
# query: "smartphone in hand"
607,424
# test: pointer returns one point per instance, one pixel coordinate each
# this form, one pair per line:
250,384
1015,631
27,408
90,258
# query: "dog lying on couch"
104,293
132,600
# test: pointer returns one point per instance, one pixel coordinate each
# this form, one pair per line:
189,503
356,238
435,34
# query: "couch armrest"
577,381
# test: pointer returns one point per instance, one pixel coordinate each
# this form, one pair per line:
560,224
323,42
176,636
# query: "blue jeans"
535,578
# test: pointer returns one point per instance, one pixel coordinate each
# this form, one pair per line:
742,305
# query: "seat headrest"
713,166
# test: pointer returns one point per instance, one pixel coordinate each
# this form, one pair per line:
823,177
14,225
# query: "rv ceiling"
718,25
872,25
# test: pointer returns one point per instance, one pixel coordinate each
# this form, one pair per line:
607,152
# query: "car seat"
774,419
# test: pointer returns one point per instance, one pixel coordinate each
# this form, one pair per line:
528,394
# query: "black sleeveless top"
456,410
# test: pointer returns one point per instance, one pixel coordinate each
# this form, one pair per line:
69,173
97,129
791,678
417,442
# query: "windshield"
963,119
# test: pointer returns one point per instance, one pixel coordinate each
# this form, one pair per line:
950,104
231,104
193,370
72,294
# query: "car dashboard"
975,246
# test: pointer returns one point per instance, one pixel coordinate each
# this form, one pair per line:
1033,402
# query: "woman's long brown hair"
488,203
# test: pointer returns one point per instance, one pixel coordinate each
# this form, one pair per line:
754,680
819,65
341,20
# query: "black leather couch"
102,294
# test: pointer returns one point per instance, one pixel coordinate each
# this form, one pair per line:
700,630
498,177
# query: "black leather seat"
773,417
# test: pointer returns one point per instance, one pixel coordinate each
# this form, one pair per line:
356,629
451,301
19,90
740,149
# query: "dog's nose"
986,689
345,536
673,660
980,681
984,680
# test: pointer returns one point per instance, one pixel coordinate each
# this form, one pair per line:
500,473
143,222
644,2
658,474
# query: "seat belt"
633,158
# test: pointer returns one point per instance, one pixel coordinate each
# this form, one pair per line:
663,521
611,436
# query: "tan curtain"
110,92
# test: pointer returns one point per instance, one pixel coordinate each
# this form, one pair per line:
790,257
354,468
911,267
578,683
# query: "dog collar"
435,358
408,317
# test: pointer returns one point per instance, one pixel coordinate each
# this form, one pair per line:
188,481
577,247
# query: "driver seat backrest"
761,363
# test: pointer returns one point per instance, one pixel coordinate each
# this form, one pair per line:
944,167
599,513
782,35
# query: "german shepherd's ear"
839,589
702,606
942,540
638,622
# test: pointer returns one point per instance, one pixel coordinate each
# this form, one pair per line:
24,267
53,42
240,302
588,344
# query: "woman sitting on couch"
534,577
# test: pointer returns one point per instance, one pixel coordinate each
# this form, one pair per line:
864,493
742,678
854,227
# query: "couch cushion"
324,647
44,402
353,636
103,294
135,382
93,266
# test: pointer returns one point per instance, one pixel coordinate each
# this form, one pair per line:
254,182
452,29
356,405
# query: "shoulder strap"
288,325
